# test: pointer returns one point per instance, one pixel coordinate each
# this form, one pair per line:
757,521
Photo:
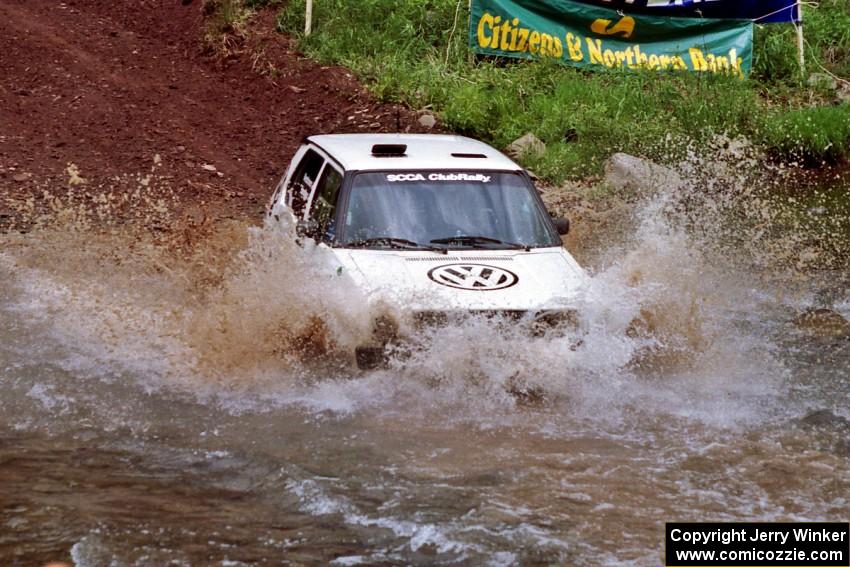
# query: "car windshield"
490,209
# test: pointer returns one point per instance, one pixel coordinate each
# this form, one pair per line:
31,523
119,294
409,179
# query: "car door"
323,203
299,181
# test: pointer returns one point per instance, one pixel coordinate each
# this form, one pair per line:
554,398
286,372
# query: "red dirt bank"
108,85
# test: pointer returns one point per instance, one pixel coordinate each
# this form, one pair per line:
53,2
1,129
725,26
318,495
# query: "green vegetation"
414,52
811,132
827,30
226,21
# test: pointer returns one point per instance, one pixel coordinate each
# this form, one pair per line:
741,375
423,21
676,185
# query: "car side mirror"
562,225
306,228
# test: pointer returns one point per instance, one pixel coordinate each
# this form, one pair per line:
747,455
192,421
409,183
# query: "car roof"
424,151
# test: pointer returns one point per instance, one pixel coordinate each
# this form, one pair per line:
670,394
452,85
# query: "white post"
801,45
308,20
470,58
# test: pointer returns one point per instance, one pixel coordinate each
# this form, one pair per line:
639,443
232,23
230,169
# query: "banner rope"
789,7
820,65
812,50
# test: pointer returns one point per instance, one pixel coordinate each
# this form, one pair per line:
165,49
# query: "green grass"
827,34
404,51
810,133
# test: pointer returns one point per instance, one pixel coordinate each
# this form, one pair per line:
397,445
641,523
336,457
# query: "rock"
528,144
74,177
824,418
209,167
817,211
428,120
822,80
627,173
21,177
840,87
826,432
823,323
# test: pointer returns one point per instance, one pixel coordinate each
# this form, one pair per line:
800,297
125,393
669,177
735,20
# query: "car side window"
303,181
323,208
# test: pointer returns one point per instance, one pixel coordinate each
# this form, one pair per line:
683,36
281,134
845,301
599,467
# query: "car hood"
539,279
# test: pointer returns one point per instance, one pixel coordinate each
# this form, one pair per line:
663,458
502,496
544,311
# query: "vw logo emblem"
474,277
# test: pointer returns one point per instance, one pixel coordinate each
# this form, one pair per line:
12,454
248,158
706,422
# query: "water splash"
222,351
243,312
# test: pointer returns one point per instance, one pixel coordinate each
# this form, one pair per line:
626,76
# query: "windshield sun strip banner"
597,38
437,176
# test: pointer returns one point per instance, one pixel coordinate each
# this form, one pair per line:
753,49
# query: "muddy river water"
156,412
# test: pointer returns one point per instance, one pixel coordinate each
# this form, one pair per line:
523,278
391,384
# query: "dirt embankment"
108,86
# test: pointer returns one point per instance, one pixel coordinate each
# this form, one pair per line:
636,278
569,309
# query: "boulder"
824,418
528,144
840,87
826,432
428,120
822,80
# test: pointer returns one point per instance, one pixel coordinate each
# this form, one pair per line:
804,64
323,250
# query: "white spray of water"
659,329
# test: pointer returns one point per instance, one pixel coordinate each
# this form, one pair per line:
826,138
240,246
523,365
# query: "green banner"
594,37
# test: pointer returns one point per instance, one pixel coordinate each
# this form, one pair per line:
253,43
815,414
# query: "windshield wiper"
391,242
480,241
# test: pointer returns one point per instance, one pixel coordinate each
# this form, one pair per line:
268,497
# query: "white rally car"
433,229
